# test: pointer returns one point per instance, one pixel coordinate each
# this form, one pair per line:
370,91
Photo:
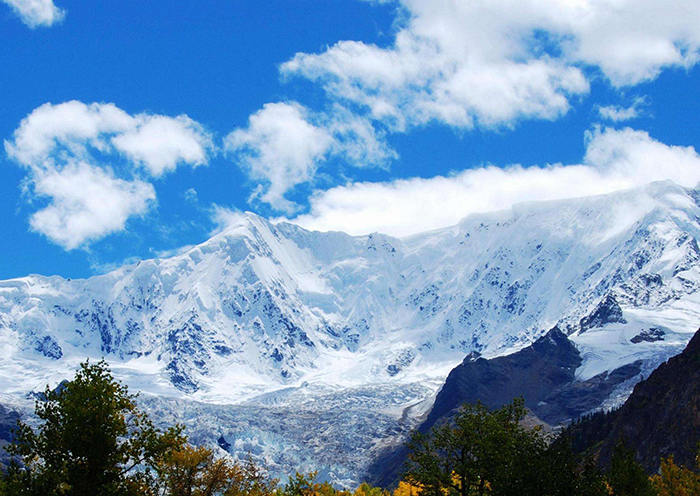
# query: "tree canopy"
92,440
484,452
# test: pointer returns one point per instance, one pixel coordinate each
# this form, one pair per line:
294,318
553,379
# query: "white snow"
269,315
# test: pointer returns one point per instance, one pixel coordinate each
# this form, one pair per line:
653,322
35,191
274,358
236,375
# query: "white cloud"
356,140
494,62
615,159
633,158
284,144
466,64
52,132
160,143
156,142
616,113
87,203
632,40
281,148
191,195
36,13
87,160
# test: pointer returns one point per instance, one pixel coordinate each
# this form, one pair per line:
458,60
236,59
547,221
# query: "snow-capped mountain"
362,329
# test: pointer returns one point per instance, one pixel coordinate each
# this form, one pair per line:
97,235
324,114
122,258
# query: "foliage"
407,489
627,477
368,490
490,452
676,480
560,473
479,447
193,471
254,482
307,485
93,440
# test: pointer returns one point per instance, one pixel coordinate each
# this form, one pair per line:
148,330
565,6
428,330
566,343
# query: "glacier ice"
313,349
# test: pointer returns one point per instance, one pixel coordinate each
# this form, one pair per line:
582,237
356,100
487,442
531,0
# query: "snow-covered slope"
279,318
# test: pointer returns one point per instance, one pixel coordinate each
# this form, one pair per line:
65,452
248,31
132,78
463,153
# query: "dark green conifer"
626,476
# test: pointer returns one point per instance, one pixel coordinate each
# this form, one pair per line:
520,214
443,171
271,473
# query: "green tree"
627,477
591,481
560,473
490,452
92,441
480,452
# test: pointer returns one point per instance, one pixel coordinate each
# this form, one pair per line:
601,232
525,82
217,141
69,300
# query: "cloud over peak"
281,147
284,144
615,159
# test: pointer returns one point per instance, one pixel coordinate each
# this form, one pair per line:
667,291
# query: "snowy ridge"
276,317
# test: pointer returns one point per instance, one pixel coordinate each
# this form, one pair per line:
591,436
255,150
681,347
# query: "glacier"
313,350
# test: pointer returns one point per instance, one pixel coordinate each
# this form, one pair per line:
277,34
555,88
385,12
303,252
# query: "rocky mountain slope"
660,418
544,374
276,318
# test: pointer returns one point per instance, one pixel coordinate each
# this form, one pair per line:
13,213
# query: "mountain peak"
248,316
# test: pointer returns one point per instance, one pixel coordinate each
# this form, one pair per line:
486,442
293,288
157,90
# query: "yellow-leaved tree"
676,480
407,489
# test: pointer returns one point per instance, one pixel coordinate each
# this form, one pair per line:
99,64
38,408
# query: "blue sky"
134,128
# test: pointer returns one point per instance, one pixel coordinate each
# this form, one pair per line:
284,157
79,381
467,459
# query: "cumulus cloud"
89,162
466,64
87,203
491,63
284,144
155,142
160,143
281,147
614,160
356,140
36,13
617,113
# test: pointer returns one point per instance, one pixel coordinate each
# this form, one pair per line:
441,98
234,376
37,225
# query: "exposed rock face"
536,373
8,422
650,335
608,311
660,418
48,347
543,373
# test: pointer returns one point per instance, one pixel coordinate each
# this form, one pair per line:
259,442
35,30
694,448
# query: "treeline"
93,440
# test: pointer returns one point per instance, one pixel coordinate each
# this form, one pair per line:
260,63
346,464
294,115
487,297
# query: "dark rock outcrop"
608,311
649,335
661,417
533,372
8,422
49,348
543,373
